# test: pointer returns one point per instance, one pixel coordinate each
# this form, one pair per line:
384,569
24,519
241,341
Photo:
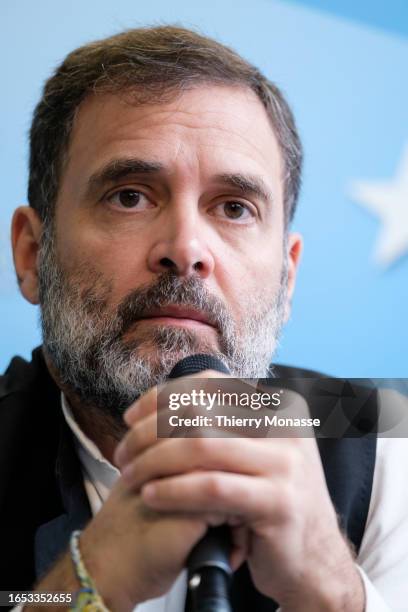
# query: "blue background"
344,70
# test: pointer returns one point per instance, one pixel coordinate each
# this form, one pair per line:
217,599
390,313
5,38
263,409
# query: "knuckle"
214,487
202,446
286,505
291,463
215,520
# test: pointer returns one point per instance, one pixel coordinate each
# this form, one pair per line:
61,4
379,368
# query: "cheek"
120,261
262,268
252,278
125,265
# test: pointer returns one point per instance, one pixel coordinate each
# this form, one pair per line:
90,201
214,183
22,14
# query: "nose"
181,246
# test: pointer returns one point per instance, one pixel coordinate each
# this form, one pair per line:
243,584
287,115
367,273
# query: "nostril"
198,266
167,263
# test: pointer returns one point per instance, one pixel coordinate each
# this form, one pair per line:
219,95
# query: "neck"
102,428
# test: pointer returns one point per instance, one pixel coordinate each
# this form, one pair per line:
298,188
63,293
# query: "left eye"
129,198
235,210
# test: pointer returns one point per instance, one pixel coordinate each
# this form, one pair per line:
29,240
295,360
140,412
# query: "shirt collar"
100,471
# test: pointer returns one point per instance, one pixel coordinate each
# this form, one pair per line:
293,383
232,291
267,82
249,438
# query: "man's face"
168,239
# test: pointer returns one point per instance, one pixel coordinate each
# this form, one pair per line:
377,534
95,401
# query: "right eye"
129,199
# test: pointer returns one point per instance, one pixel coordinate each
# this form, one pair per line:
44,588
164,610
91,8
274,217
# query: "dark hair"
151,63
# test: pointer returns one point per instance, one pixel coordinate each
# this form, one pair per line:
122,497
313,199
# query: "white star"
389,201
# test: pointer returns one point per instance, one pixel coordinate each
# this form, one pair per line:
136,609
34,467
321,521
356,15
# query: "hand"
134,553
272,492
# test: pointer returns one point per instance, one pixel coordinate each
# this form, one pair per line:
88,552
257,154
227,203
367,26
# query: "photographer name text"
233,421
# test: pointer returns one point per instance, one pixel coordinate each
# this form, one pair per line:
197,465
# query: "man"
164,173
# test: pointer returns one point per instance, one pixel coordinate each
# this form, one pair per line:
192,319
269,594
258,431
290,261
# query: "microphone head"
197,363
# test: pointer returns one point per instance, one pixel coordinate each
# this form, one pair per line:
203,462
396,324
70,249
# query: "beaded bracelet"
87,599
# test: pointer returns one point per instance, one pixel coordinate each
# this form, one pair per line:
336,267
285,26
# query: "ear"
26,231
294,251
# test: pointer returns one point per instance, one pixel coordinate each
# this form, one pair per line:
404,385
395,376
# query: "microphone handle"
213,550
209,591
209,572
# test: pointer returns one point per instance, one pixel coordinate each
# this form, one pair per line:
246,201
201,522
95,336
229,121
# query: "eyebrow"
118,169
249,185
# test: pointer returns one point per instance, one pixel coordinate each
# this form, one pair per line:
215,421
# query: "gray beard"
85,339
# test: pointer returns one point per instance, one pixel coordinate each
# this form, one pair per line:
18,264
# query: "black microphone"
209,571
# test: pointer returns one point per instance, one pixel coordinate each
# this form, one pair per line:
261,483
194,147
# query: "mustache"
171,290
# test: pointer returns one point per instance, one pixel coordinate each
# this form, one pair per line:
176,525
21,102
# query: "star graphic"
389,201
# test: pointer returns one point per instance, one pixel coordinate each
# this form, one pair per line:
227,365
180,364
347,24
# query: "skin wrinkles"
120,173
187,178
120,131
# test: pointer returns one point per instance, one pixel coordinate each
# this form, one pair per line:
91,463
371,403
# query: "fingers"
141,436
147,404
143,407
175,456
136,440
253,499
240,546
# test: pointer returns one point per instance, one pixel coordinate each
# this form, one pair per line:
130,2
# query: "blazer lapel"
52,538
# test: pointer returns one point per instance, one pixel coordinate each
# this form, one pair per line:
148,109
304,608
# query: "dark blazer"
42,498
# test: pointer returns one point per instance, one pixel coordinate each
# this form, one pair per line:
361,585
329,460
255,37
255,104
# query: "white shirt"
383,556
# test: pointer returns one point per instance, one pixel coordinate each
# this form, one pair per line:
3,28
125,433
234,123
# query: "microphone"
209,571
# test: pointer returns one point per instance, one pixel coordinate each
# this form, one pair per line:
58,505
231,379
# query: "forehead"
204,130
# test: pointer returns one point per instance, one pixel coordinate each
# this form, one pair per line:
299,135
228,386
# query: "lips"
178,312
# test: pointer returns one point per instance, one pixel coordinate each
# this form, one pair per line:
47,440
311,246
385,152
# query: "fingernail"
148,491
127,473
130,414
120,454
